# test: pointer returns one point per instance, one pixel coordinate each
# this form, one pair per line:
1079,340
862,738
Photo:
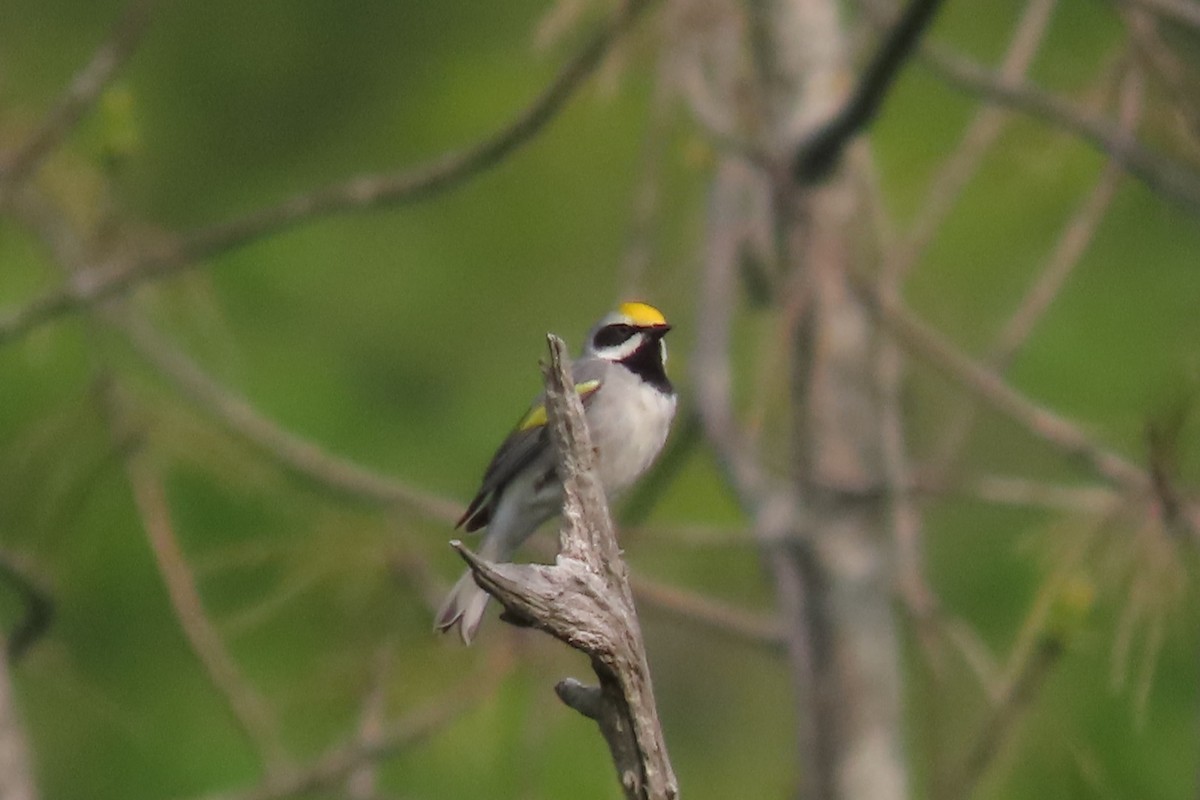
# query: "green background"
407,340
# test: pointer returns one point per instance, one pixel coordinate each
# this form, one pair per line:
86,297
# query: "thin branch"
584,600
962,164
249,708
363,780
1183,12
79,96
1074,240
290,451
335,764
1171,179
905,518
358,194
1028,493
821,151
1165,65
729,622
992,389
16,766
1016,697
712,368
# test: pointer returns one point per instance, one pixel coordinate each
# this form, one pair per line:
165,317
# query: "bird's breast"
629,429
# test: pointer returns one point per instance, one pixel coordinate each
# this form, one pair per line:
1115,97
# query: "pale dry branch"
1073,242
338,762
712,369
1171,179
1183,12
905,518
1051,428
1029,493
290,451
121,274
16,766
981,133
709,615
1016,697
584,599
362,781
78,97
248,707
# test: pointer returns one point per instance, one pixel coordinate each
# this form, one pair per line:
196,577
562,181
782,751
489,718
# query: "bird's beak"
658,331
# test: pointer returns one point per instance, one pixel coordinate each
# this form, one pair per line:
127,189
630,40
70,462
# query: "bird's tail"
464,608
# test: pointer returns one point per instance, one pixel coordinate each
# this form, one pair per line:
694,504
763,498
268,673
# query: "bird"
629,404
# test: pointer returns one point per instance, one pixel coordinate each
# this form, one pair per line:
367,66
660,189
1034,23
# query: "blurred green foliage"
408,339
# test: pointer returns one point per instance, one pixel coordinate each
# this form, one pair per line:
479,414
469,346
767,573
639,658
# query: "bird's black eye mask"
613,335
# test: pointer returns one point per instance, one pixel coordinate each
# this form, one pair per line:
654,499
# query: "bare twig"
1016,491
1073,242
16,768
249,708
712,371
989,387
372,191
821,151
333,766
296,454
906,525
362,781
1162,63
712,616
1184,12
1014,699
584,599
1171,179
983,130
81,93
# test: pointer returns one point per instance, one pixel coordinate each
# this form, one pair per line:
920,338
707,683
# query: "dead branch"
340,761
118,275
249,708
963,162
1182,12
287,449
584,600
1073,242
991,389
16,768
1171,179
79,96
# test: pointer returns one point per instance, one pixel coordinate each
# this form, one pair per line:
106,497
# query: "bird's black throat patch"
647,363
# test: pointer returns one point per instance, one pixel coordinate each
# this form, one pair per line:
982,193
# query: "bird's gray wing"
527,441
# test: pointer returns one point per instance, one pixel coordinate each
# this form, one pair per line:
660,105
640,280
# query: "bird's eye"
613,336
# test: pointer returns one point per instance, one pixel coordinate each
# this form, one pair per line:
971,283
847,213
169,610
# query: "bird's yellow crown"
642,314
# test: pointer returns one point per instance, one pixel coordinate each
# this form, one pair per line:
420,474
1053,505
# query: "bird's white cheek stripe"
623,350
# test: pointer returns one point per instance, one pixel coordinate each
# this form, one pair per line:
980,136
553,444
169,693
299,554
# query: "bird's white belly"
628,435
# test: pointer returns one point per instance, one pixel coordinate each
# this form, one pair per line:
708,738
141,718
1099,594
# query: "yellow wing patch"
642,314
536,417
